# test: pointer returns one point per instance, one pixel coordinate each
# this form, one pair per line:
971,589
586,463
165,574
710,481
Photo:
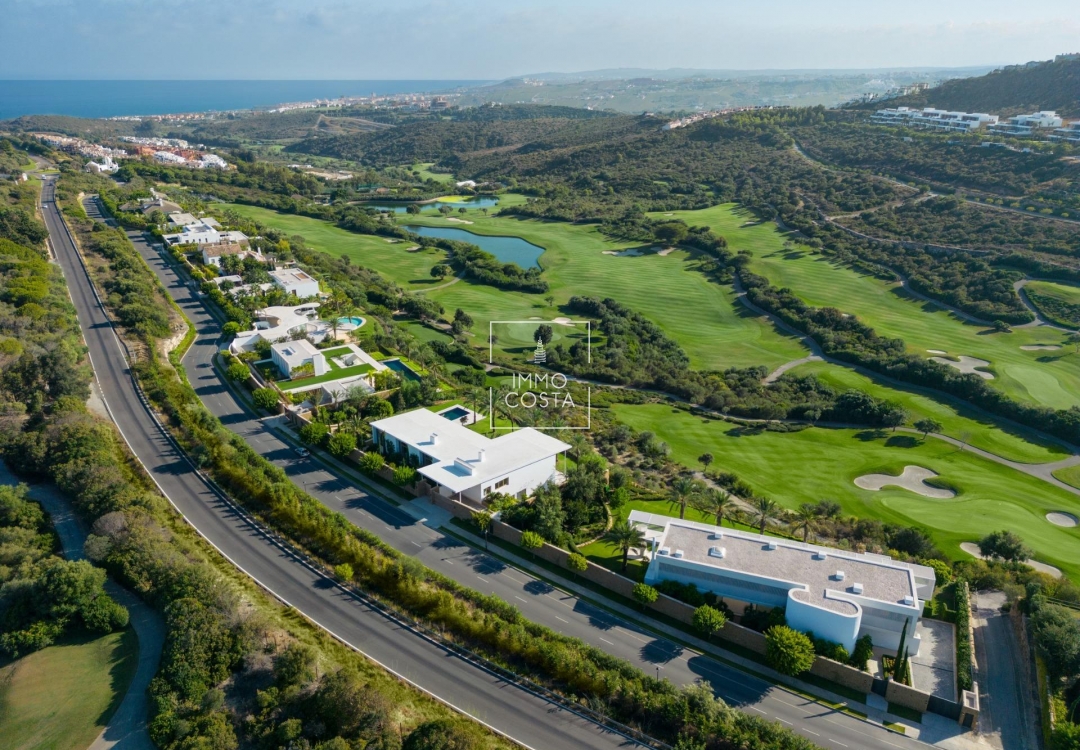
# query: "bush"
864,651
577,563
344,572
341,444
371,463
829,649
230,329
708,620
644,594
530,540
761,619
265,398
314,433
404,476
788,651
963,639
238,371
444,734
1066,736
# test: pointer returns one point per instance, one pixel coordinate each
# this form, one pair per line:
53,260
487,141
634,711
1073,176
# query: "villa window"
502,482
487,491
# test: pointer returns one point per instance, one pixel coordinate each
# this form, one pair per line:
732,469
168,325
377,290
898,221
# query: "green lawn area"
1050,378
60,698
1070,475
718,333
336,373
821,464
1067,294
959,421
424,168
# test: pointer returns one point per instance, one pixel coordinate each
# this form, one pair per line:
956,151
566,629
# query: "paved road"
1008,712
517,713
536,599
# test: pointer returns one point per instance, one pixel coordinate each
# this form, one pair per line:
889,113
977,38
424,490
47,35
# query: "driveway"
934,669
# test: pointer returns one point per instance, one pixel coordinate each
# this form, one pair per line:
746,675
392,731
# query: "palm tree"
766,511
805,519
715,502
625,535
681,493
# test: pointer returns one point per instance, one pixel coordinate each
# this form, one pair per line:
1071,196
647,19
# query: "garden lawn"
1069,475
958,420
1049,378
60,698
821,464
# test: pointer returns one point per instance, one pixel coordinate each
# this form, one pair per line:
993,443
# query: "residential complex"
1026,125
838,595
934,119
295,281
1070,132
204,232
464,464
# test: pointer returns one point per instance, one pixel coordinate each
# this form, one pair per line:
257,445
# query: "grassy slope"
1067,293
958,421
818,464
1070,475
61,697
704,317
1050,378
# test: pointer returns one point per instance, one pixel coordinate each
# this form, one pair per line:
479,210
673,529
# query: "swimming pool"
354,321
455,414
401,369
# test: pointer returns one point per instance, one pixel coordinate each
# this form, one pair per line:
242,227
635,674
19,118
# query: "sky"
494,39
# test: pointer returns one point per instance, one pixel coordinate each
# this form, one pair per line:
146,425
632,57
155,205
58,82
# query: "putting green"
1049,378
822,464
704,317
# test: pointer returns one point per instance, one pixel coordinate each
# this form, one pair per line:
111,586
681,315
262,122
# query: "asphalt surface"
515,712
537,600
1007,708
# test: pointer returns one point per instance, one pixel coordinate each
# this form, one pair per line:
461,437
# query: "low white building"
1024,126
934,119
204,232
167,157
1070,133
107,166
290,355
212,254
295,281
464,464
838,595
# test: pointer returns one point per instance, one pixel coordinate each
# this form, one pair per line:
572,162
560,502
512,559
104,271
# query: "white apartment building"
1025,126
295,281
838,595
464,464
934,119
1070,132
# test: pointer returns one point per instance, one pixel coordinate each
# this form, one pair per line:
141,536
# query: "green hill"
1009,91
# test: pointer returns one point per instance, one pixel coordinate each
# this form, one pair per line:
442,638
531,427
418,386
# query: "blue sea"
113,98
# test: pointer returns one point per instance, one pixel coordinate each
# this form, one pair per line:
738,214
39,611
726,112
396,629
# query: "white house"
289,355
1070,132
295,281
467,465
204,232
167,157
212,254
838,595
1027,125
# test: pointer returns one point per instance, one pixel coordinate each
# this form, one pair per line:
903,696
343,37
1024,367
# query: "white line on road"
605,640
561,619
785,721
518,598
755,708
841,744
813,733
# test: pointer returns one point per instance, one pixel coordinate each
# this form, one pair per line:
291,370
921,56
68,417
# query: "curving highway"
537,600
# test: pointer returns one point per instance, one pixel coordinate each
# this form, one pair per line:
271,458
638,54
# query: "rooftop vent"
434,438
770,545
909,601
820,555
856,588
664,551
720,552
480,458
677,553
839,575
716,535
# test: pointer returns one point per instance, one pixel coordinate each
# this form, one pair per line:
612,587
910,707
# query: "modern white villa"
204,232
934,119
295,281
1023,126
466,465
836,594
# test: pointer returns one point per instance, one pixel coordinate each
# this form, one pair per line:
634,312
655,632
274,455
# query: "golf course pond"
506,249
470,203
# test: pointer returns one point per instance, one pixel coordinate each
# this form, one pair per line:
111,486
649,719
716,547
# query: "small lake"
506,249
471,203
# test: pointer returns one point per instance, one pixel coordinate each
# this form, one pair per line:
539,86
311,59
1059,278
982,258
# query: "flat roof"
295,352
812,566
456,449
291,276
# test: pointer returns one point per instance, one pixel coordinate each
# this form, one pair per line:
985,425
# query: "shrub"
344,571
829,649
341,444
404,476
577,563
788,651
761,619
230,329
708,620
265,398
530,540
963,639
644,594
444,734
864,651
314,433
371,463
238,371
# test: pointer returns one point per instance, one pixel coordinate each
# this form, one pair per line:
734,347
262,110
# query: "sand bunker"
457,220
966,365
936,351
913,480
1060,518
973,549
1041,348
563,322
666,251
631,253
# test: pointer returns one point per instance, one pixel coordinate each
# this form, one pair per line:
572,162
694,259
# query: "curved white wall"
843,628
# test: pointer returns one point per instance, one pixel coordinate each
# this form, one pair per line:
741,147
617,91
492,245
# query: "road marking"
813,733
755,708
417,544
785,721
605,640
841,744
518,598
559,618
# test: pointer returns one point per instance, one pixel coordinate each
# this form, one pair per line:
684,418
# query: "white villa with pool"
466,465
838,595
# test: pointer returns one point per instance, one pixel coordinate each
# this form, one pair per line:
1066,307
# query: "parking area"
934,669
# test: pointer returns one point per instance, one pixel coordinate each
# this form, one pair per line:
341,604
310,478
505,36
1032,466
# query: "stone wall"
909,697
842,674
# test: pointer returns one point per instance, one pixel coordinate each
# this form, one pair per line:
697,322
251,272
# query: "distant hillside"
1050,85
